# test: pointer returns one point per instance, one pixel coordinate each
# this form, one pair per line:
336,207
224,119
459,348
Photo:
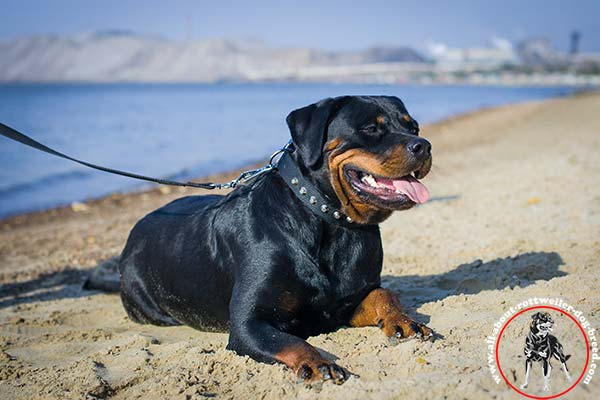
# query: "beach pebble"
17,320
79,207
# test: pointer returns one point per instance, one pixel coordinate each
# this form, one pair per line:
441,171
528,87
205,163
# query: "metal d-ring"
287,148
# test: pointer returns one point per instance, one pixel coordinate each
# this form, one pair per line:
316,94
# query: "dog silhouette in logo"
541,346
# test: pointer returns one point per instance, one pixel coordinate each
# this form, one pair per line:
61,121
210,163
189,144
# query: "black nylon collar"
308,194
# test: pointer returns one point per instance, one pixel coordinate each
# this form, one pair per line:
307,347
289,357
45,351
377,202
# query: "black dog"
295,253
541,346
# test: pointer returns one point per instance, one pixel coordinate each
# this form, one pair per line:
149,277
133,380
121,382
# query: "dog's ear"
535,316
308,127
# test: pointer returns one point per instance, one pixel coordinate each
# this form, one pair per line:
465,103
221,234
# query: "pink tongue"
410,186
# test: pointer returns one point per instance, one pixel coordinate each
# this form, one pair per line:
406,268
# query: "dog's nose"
419,147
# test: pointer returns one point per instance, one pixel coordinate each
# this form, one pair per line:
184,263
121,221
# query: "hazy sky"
324,24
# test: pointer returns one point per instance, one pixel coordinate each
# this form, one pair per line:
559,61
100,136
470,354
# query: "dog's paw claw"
316,375
305,373
397,339
340,374
411,330
324,370
429,337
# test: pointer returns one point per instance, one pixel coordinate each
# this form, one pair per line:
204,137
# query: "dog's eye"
370,130
413,128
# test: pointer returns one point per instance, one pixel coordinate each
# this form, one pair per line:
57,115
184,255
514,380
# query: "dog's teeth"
370,180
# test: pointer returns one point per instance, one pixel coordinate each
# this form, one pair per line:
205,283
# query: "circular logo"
542,352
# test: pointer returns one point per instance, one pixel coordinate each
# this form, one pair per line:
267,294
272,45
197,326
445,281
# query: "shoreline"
517,217
84,205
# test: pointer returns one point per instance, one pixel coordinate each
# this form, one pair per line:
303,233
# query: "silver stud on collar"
303,191
348,219
337,215
324,208
312,200
294,181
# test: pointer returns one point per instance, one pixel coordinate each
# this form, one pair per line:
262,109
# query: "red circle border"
587,352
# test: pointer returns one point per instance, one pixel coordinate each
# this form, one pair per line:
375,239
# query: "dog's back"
169,235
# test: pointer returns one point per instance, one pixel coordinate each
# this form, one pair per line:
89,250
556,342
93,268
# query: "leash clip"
255,173
245,177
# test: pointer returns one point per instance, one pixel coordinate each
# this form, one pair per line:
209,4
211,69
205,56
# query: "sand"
515,214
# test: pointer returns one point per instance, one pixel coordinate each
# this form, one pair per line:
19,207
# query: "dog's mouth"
390,192
545,327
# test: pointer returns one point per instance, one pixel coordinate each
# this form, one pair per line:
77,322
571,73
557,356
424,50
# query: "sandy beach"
515,214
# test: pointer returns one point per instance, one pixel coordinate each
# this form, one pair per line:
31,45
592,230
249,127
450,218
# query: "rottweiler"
296,252
541,346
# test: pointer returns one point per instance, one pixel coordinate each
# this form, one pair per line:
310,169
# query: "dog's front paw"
403,327
313,372
524,386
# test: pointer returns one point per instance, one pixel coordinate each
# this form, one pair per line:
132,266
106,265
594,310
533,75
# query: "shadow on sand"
522,270
49,286
67,283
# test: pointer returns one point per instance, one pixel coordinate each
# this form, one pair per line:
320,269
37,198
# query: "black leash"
285,165
17,136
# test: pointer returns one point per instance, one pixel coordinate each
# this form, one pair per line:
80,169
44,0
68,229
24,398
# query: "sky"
335,25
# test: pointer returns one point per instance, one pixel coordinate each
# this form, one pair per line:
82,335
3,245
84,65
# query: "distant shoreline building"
499,54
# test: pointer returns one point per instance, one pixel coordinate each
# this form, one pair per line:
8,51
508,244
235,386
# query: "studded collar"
310,196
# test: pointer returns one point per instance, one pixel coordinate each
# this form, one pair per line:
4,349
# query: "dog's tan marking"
380,119
395,164
309,365
296,355
407,118
332,144
382,307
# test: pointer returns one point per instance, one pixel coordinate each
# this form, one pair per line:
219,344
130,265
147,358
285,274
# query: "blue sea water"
177,130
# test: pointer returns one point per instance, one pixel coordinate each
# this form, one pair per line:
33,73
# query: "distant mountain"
118,56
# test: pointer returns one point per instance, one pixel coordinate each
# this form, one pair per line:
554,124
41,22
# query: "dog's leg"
253,335
547,368
382,308
527,370
567,374
560,356
265,343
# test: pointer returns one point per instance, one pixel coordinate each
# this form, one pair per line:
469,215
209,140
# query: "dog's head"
365,152
541,323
